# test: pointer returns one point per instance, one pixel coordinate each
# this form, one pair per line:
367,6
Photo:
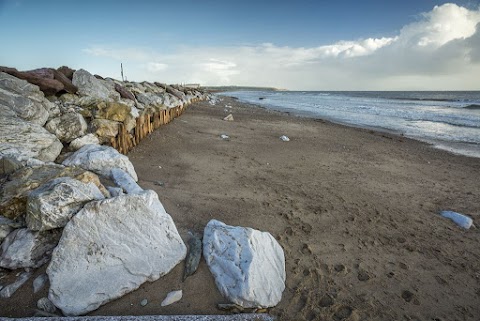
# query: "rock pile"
69,197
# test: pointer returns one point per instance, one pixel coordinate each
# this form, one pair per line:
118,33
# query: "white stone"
88,85
88,139
172,297
248,265
27,249
115,191
110,248
25,99
39,282
22,140
67,127
46,305
151,99
229,117
100,159
52,205
125,181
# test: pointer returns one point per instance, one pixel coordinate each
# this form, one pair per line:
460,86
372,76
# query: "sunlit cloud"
441,50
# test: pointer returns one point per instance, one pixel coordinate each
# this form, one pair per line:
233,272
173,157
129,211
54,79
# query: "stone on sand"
248,265
112,247
172,297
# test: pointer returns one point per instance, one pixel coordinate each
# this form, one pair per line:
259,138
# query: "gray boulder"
25,99
53,204
123,180
248,265
150,99
9,165
110,248
100,159
67,127
22,139
88,85
88,139
27,249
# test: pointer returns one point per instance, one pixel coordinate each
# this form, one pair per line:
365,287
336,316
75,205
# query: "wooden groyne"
145,125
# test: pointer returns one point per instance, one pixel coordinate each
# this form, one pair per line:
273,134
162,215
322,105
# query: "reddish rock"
67,83
49,80
124,93
67,71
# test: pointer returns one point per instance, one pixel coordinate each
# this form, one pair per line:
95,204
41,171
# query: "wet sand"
355,210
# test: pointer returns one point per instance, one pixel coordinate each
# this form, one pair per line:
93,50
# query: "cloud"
137,54
441,50
156,66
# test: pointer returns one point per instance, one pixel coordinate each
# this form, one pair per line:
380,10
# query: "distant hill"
236,88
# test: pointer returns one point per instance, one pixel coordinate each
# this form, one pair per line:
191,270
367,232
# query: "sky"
296,45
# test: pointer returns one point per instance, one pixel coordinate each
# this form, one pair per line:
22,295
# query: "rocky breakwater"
69,198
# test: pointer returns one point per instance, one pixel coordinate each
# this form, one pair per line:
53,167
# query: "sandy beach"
356,212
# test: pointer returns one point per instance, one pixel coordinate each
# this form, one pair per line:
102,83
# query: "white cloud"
439,51
156,66
138,54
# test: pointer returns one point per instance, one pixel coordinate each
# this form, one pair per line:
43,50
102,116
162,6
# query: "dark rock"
9,165
98,77
193,256
66,71
50,73
124,93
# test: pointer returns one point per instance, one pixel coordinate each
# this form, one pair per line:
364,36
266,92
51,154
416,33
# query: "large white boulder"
88,85
110,248
25,99
100,159
23,140
53,204
27,249
248,265
68,126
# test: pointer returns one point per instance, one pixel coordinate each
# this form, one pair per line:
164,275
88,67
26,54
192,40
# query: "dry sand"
356,212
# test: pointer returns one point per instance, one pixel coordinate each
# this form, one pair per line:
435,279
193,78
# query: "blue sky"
331,45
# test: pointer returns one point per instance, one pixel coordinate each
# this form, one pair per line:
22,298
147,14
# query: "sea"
448,120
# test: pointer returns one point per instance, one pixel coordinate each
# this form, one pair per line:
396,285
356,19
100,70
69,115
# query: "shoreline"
457,148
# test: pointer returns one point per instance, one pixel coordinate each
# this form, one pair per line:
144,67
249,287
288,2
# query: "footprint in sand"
343,313
306,249
363,276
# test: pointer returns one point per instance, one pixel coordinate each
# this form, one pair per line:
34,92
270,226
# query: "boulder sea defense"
110,248
248,265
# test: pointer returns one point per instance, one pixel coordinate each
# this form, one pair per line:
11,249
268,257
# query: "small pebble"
144,302
172,297
46,305
39,282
